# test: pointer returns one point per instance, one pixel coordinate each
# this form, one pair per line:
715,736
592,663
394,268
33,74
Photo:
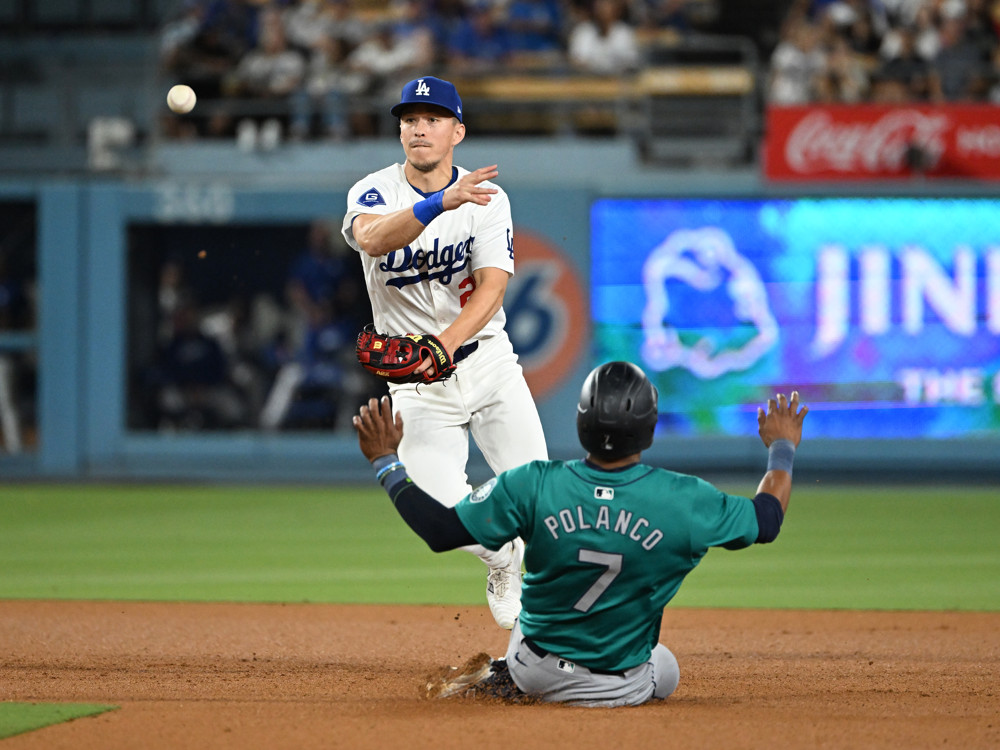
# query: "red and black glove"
396,358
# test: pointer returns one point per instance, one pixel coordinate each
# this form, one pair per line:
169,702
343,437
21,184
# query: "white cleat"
503,588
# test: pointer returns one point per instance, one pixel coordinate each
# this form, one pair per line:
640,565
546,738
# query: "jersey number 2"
613,566
470,282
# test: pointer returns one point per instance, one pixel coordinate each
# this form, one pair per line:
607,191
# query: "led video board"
884,313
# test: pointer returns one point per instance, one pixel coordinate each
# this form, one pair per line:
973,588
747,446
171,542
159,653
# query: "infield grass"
17,718
926,548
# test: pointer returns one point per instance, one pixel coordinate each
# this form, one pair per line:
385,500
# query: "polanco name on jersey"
569,522
450,260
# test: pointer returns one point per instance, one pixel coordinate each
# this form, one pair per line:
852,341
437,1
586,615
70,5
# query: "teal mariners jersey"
606,550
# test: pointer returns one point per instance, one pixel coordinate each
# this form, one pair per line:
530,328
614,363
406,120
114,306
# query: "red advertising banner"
859,142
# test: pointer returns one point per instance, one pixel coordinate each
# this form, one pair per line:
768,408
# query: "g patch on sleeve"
371,197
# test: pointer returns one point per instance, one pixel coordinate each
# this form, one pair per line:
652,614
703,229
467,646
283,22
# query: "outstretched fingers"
484,173
379,432
469,190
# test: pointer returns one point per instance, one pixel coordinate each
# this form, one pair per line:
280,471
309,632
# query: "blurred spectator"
179,34
236,22
958,72
16,313
170,294
323,381
903,12
924,33
981,27
308,391
201,55
447,14
993,95
604,44
415,29
326,32
536,29
194,388
863,22
913,50
271,71
334,91
10,416
864,36
317,275
480,43
796,65
845,80
16,308
310,24
395,52
927,36
905,77
665,14
233,326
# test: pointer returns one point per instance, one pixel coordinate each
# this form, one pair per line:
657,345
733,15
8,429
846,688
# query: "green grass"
845,547
17,718
865,548
216,543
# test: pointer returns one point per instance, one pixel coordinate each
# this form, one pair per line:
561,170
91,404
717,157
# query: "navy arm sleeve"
436,524
769,517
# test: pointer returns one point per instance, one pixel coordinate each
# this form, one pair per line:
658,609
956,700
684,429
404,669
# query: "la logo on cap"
422,88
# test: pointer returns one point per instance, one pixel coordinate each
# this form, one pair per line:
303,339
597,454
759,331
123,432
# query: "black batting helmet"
617,411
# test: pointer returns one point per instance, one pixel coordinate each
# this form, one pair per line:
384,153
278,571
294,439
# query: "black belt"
541,653
464,351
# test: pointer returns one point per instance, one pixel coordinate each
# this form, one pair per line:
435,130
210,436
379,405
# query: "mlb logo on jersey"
604,493
371,197
566,666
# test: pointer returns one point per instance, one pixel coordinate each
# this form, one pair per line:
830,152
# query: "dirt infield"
324,676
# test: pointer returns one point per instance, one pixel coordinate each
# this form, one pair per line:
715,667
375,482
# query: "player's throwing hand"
782,421
467,190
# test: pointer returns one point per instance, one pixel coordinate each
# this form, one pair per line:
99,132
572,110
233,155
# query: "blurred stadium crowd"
269,346
325,68
887,51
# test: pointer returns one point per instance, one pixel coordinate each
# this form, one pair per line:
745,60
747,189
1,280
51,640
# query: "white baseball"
181,98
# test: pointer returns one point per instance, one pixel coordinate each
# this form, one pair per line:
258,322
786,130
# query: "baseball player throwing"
436,242
609,541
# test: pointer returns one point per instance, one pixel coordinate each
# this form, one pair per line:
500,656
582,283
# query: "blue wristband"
780,456
390,472
429,208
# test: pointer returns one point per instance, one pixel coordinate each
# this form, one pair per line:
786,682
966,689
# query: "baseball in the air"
181,98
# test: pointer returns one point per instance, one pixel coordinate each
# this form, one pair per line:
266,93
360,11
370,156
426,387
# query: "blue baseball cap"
430,90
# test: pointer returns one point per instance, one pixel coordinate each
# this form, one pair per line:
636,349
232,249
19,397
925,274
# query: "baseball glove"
396,358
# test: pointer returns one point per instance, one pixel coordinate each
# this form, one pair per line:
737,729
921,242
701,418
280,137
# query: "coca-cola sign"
865,142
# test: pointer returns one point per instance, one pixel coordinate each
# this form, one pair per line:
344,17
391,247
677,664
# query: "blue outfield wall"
592,228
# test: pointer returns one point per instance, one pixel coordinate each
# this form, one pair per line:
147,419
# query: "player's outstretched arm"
379,435
381,234
780,429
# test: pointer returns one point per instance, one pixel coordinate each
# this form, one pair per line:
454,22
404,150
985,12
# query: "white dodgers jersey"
422,287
